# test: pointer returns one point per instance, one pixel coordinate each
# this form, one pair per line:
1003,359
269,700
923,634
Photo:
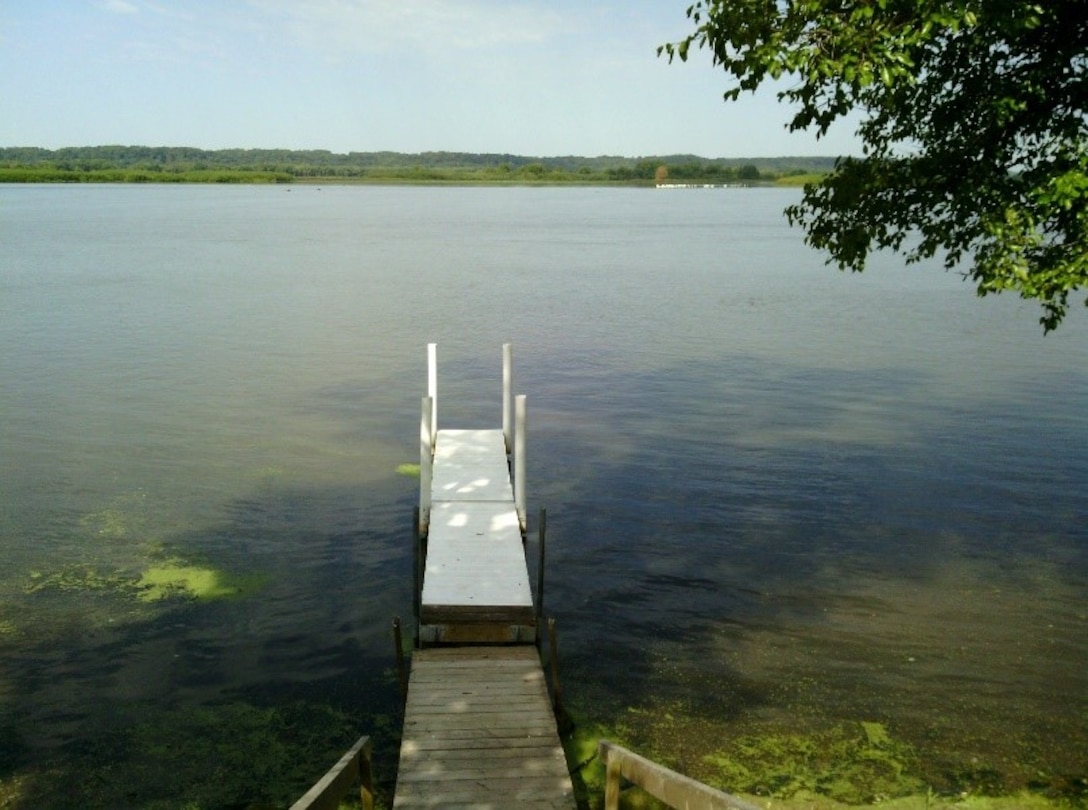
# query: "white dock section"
475,583
471,465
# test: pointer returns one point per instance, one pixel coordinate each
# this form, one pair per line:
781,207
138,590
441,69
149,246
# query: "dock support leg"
562,720
402,670
415,563
541,534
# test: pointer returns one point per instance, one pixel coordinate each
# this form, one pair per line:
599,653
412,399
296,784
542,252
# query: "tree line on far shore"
135,164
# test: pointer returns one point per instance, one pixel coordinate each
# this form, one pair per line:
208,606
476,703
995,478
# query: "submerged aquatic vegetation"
235,754
852,763
842,766
80,578
171,578
125,558
175,578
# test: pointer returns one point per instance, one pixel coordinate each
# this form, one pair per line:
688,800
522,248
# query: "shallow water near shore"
786,507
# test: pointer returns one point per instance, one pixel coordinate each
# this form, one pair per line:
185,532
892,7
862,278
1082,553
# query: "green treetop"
974,128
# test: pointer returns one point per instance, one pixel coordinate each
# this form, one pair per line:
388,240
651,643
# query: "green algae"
81,578
849,763
124,557
127,517
876,734
408,470
175,578
128,526
843,766
165,579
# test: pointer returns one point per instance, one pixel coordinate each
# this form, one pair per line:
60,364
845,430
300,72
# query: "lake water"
836,513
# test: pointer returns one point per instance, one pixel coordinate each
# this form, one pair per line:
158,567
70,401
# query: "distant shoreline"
74,178
140,164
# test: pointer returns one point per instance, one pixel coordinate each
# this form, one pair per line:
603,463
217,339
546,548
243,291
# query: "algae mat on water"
849,765
176,578
123,556
169,578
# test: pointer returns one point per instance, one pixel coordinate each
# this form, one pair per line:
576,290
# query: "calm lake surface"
781,501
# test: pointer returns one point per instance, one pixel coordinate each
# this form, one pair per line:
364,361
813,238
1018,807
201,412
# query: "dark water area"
782,503
800,551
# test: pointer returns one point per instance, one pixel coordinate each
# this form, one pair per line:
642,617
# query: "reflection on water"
781,501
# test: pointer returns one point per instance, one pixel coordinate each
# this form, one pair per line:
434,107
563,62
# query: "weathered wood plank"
477,656
485,737
507,791
540,752
460,703
454,760
482,699
489,767
492,804
437,679
496,711
439,687
468,740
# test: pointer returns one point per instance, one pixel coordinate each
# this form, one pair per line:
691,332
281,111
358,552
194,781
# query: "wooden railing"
352,769
674,789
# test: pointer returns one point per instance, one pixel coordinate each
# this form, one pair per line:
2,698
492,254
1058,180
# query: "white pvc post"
521,414
507,395
432,387
426,461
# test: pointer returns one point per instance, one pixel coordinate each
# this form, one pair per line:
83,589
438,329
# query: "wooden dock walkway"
479,731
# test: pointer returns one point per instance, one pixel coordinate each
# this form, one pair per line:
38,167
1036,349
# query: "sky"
525,77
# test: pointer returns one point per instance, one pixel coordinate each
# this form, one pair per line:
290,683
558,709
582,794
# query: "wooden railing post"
612,766
366,779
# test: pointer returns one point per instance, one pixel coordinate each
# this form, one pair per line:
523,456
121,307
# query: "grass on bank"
533,174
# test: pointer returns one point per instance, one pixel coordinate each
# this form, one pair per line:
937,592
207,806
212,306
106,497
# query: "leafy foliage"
974,126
